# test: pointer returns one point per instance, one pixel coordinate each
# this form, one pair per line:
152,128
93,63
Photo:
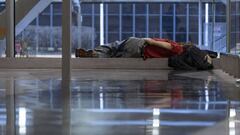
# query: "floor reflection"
174,105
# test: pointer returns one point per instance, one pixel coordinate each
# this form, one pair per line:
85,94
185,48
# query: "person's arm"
161,44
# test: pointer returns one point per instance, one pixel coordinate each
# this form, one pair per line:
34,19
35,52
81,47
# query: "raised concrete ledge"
230,64
84,63
30,63
89,63
120,63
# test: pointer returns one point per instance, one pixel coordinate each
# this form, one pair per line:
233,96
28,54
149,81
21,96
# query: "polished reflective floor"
119,102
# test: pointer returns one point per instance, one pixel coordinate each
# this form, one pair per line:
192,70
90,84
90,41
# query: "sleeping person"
181,55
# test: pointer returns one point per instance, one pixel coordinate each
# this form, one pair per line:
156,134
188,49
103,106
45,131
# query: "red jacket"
151,51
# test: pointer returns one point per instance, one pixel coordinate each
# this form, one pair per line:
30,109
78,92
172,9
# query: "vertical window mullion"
174,22
93,24
37,34
200,23
134,20
160,27
147,20
106,24
187,25
120,22
51,25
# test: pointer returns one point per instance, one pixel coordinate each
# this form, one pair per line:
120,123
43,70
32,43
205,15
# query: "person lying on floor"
181,55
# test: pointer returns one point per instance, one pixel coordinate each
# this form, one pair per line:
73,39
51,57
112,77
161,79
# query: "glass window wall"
202,23
40,34
2,29
178,21
235,27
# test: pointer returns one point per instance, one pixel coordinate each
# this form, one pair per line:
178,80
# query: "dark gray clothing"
129,48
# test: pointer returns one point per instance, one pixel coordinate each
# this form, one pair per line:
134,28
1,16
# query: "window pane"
181,37
193,37
113,23
113,8
44,20
97,8
181,9
141,35
140,8
127,22
154,35
97,23
154,8
87,21
154,24
86,8
57,20
127,8
193,24
167,23
193,9
57,8
126,35
220,9
113,37
168,35
43,36
140,23
181,24
167,9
